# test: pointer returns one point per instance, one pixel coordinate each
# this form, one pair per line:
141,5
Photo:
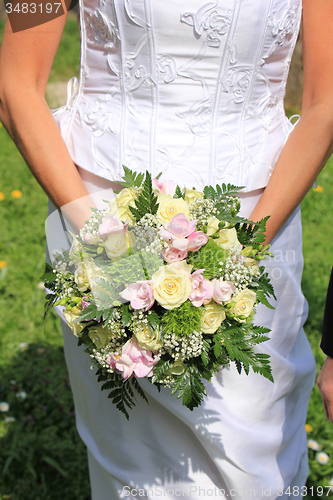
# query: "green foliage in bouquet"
183,320
130,268
208,258
146,203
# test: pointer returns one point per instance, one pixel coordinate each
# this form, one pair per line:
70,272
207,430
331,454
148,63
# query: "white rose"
244,302
228,239
212,318
147,339
117,244
70,316
169,207
94,272
192,194
125,199
171,285
81,276
212,225
99,335
177,368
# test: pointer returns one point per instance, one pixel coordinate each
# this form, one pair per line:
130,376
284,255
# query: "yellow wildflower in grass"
2,196
318,189
16,193
3,264
308,428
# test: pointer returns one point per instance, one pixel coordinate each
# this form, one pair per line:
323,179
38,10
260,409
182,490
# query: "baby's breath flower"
182,348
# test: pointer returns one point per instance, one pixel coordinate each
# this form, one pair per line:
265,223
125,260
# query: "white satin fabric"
247,440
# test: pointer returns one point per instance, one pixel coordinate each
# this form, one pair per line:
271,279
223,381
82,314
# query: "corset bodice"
188,87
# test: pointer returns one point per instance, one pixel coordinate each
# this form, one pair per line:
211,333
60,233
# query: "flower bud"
247,251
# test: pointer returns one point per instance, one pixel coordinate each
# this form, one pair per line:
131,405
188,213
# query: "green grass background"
41,456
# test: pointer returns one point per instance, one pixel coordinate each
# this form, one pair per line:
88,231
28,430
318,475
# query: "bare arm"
26,59
311,143
325,384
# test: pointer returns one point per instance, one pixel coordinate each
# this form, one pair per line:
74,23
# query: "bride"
193,89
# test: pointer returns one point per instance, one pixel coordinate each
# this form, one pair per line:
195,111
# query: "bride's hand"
325,384
77,212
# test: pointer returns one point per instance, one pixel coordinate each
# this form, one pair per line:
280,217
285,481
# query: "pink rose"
167,187
172,254
85,303
111,225
178,227
202,289
139,294
196,240
133,359
222,290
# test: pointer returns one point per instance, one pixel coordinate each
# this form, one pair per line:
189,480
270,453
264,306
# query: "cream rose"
169,207
70,316
99,335
172,286
192,194
177,368
228,239
212,225
212,317
125,199
244,302
148,339
81,277
117,244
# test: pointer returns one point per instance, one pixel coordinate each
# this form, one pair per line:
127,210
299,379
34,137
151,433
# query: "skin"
25,62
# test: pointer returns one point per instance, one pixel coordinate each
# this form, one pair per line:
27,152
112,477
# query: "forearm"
304,155
29,122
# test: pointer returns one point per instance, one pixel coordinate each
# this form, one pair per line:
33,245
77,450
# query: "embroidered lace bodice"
190,88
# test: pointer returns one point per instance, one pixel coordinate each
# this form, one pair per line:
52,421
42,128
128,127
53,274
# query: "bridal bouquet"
163,284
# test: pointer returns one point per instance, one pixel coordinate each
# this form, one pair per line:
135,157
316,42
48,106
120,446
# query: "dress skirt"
248,438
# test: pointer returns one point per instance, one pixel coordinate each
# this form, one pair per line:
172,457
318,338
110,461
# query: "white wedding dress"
194,89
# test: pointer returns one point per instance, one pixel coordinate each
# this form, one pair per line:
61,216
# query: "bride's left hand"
325,384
